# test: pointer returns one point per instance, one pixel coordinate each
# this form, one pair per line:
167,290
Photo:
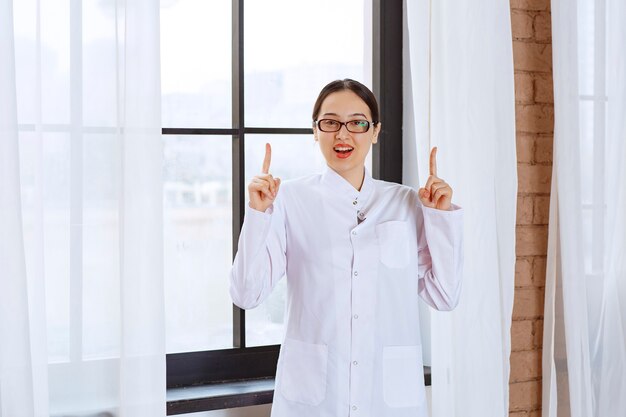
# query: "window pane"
99,60
54,59
290,55
198,242
196,63
45,199
101,245
292,156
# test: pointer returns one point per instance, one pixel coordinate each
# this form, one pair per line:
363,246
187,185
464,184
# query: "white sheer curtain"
584,354
459,96
81,246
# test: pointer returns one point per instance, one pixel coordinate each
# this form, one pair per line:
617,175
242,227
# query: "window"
240,86
220,105
278,57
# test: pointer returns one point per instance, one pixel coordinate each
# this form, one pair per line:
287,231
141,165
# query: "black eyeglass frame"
316,123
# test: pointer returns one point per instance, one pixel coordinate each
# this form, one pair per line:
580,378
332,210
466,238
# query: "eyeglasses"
353,126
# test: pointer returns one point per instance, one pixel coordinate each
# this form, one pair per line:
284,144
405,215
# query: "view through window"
291,50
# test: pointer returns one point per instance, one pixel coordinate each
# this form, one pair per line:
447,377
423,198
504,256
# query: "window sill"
219,396
227,395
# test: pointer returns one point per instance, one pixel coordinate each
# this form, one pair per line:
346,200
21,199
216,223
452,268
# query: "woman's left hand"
436,193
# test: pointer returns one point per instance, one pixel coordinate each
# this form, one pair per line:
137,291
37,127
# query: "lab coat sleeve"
440,256
261,256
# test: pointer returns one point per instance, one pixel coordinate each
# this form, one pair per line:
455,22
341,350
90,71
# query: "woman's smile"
343,151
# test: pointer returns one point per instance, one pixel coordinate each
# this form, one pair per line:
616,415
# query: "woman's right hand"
264,187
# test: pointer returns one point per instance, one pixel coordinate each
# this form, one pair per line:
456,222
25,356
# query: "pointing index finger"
268,159
433,161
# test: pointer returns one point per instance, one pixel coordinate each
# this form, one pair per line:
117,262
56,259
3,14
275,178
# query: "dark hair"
347,84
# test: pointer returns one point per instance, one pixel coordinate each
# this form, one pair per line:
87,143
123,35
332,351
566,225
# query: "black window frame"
242,363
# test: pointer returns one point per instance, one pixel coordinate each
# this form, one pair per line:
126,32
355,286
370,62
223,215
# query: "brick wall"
534,118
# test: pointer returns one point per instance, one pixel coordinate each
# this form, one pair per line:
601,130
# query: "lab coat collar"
342,189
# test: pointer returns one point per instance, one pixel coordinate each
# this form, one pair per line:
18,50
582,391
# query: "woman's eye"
330,123
358,123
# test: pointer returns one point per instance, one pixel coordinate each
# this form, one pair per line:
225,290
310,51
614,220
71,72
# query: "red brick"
525,207
525,395
524,88
522,336
539,271
525,144
528,56
538,333
524,272
541,210
542,26
534,178
543,149
522,24
525,365
534,413
528,303
543,88
531,240
530,4
534,118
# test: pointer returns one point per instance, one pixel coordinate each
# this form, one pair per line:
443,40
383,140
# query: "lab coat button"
356,273
355,202
354,232
356,316
354,407
355,363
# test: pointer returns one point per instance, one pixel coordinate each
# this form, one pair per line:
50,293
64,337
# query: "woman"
356,252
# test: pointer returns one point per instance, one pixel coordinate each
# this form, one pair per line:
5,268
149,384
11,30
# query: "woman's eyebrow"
350,115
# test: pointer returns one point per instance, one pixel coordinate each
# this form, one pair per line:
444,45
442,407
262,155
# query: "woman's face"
345,151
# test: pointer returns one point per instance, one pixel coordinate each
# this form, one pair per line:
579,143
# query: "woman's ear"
315,133
376,132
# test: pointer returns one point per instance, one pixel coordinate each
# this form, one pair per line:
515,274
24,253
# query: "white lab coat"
352,336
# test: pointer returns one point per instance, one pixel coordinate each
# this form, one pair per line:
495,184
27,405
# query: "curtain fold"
81,247
584,356
459,96
143,339
16,382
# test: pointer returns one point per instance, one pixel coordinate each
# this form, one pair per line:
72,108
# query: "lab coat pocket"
403,375
303,372
393,241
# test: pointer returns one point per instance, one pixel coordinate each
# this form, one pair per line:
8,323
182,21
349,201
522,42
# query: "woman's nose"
343,132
